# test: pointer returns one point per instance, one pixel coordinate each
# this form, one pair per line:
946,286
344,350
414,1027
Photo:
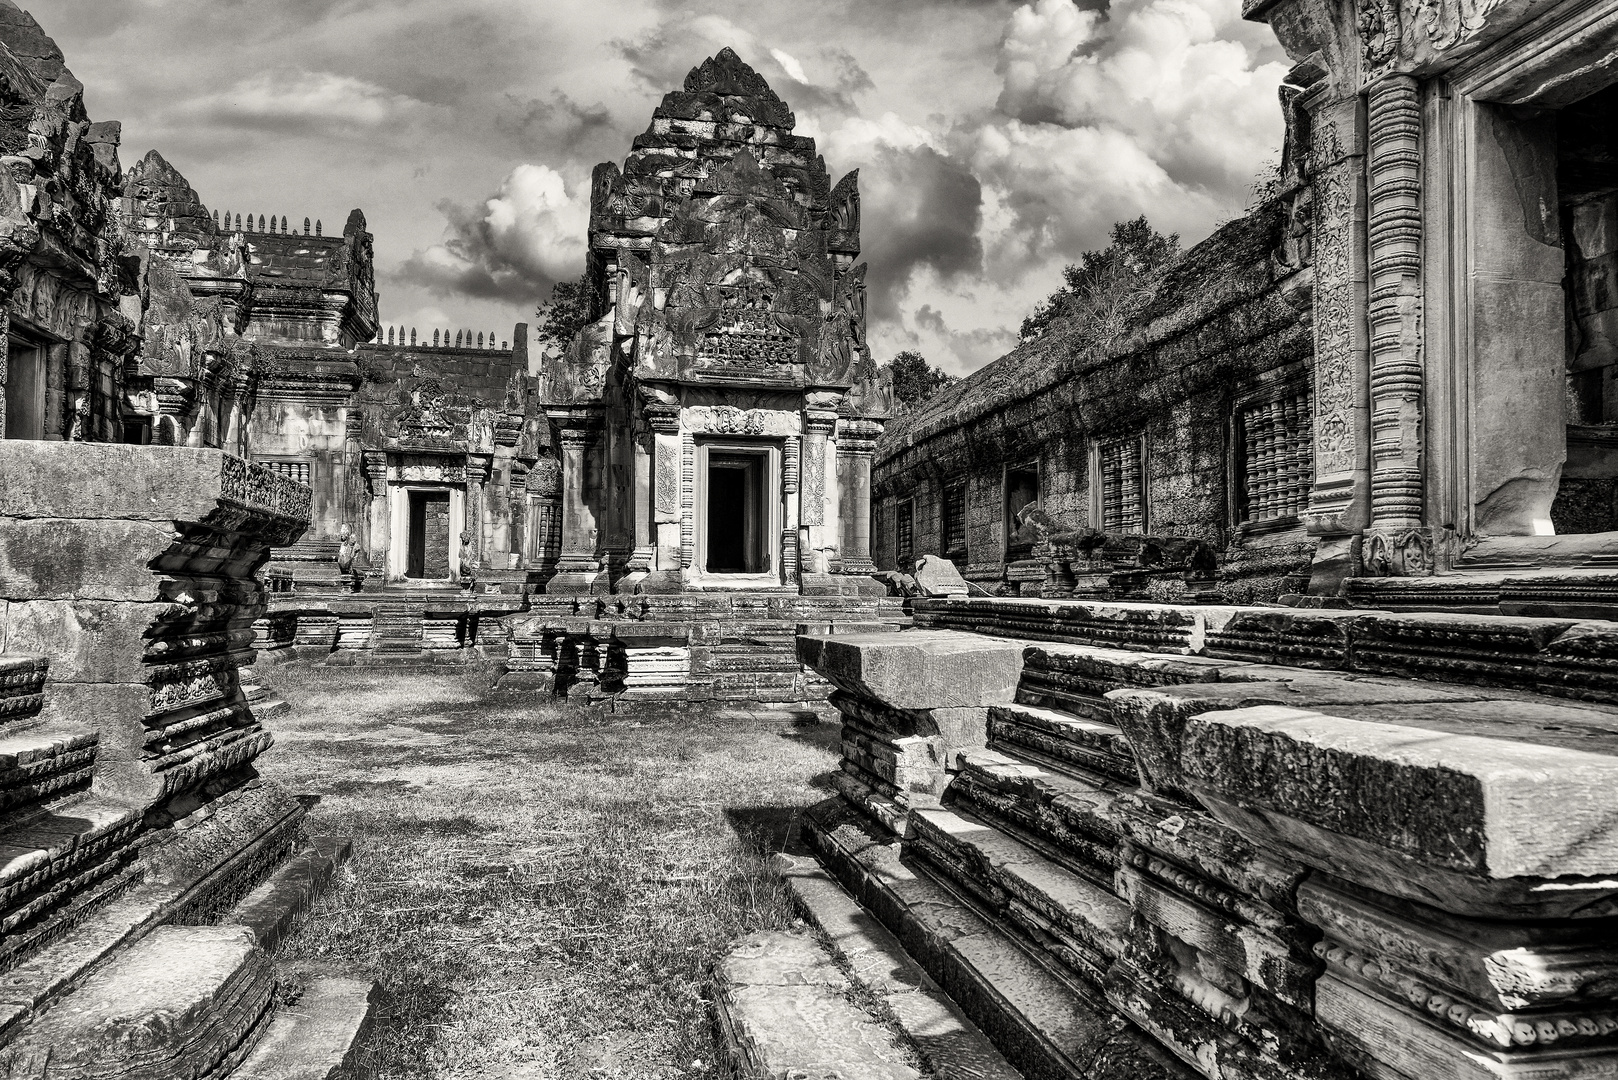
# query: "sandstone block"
1427,815
180,1002
918,669
53,558
937,576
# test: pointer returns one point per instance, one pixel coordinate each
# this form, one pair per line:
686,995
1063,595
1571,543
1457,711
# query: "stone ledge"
783,1010
917,669
1454,820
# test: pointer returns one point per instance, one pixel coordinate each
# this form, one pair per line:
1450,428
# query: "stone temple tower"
716,421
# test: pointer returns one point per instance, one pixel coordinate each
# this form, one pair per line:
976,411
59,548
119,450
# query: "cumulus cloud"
996,139
515,245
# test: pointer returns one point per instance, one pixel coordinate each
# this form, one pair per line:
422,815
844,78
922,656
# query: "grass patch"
541,890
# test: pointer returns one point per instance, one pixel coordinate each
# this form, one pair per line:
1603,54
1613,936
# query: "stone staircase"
114,959
1149,841
147,870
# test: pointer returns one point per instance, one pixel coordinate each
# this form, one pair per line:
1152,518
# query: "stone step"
271,909
183,1001
58,861
1080,923
1046,1022
316,1037
45,763
783,1010
1067,818
950,1045
1062,740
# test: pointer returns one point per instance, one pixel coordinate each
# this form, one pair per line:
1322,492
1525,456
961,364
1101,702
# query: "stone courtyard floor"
541,890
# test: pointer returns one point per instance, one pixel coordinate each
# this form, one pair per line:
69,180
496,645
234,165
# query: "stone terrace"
1139,840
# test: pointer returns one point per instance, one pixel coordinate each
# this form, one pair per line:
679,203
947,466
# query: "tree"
915,380
567,312
1106,288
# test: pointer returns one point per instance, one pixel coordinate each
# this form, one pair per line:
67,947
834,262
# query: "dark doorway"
1587,191
428,551
736,514
1022,491
25,391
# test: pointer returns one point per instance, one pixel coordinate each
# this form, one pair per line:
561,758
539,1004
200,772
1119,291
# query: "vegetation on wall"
565,313
1105,289
915,380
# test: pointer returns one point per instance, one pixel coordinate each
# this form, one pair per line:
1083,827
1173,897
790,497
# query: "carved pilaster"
817,429
1394,253
1339,500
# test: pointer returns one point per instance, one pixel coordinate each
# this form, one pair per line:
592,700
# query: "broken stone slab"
936,576
951,1045
1043,1024
1456,821
272,908
918,669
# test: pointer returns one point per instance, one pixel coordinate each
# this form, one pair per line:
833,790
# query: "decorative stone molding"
1406,553
1395,311
731,420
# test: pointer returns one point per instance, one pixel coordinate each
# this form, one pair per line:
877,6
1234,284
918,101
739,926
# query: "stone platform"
1153,841
684,647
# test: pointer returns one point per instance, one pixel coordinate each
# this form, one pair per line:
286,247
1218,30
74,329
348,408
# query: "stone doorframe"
773,504
1493,263
399,511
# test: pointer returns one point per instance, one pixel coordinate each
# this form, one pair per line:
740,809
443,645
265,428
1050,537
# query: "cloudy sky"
995,140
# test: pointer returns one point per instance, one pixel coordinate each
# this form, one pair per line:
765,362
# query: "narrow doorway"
427,555
735,513
25,391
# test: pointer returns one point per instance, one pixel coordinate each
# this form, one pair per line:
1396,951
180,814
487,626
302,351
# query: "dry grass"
541,890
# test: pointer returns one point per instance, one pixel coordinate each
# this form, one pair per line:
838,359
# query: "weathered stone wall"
1229,319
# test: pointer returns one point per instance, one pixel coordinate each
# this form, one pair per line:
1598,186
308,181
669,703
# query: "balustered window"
1123,488
955,520
1274,441
292,470
904,536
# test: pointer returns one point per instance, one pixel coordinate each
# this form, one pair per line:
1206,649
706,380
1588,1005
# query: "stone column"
375,463
1339,501
818,498
579,564
665,501
1396,543
856,446
476,519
